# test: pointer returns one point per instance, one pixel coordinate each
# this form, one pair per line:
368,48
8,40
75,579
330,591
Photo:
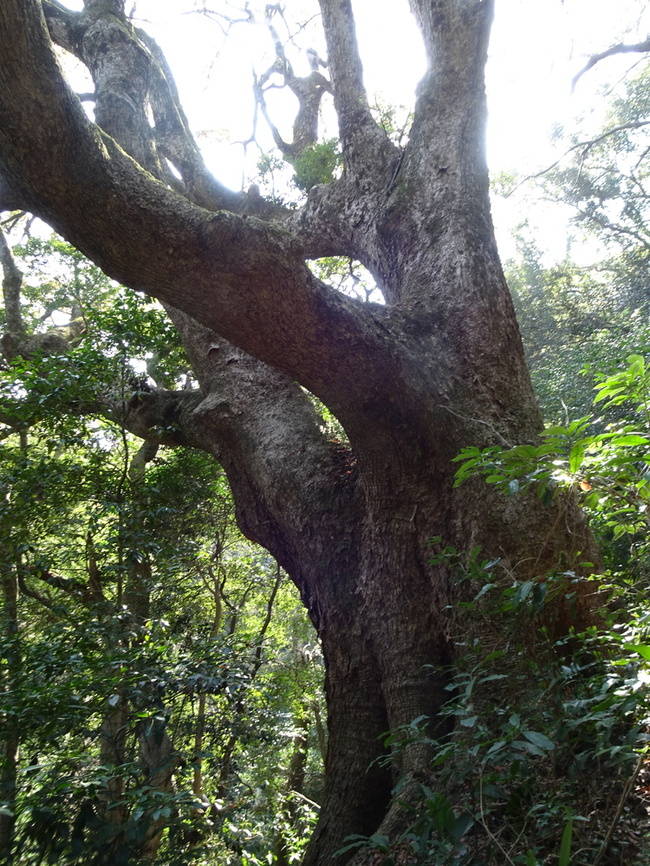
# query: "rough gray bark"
438,367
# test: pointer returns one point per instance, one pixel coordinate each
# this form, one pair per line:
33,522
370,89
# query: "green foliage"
584,319
606,178
316,164
347,276
545,733
395,120
541,740
606,466
576,322
140,611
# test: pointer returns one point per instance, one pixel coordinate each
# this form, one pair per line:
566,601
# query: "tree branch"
243,278
145,454
621,48
581,145
175,140
65,26
360,135
308,91
11,286
456,35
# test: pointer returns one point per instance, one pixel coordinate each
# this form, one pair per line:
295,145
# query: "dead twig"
627,790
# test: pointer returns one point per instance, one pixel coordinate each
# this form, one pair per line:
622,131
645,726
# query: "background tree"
586,313
143,680
437,367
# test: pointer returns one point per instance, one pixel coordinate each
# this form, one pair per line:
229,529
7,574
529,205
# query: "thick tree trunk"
439,367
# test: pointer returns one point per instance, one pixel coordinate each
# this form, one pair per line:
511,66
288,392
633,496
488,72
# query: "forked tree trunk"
439,367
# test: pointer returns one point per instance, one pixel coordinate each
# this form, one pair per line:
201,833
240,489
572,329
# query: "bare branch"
66,584
175,140
45,600
308,90
622,231
581,145
145,454
621,48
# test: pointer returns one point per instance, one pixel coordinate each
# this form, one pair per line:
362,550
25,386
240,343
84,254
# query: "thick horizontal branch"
244,278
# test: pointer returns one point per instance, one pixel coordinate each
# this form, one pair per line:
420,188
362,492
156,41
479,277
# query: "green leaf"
576,456
485,588
523,591
565,844
495,747
525,746
540,740
642,649
629,439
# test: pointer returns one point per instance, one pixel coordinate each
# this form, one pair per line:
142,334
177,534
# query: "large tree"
437,367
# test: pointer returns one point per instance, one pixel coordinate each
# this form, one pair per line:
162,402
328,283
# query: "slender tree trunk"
199,734
158,760
199,730
10,742
294,785
112,755
239,710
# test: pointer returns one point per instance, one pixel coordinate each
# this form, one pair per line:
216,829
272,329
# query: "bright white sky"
536,49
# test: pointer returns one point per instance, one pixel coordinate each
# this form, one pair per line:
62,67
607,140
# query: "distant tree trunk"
199,730
112,755
438,367
158,760
10,742
239,709
121,730
294,785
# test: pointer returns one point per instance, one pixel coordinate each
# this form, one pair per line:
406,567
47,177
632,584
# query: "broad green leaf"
576,456
540,740
629,439
531,748
642,649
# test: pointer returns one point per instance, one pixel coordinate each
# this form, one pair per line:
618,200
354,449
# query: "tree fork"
438,368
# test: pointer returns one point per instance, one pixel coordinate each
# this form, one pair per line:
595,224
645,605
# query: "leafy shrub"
548,735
